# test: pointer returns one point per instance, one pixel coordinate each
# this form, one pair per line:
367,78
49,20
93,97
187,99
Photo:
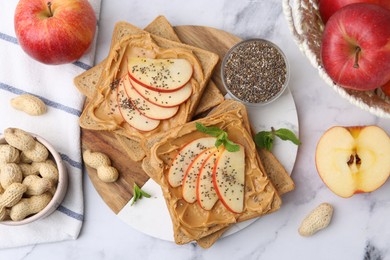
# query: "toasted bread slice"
261,197
96,114
86,82
268,162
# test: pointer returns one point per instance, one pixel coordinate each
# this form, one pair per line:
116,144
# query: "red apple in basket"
355,49
56,31
328,7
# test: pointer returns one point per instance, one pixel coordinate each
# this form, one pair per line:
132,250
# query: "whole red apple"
355,48
55,31
328,7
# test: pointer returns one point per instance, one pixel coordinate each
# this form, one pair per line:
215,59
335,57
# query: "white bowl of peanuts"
33,178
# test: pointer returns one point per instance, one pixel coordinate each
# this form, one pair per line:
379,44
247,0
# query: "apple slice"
205,191
164,99
184,158
145,107
164,75
191,175
229,179
353,159
131,115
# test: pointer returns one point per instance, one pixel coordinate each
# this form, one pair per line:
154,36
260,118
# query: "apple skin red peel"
355,49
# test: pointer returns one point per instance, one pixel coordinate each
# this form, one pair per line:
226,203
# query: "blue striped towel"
54,85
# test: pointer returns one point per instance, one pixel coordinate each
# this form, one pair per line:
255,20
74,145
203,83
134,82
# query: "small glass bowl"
60,192
246,43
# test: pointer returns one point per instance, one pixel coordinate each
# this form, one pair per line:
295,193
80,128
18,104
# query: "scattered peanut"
96,159
8,154
19,139
318,219
29,104
10,173
12,195
36,185
102,163
38,153
28,206
107,173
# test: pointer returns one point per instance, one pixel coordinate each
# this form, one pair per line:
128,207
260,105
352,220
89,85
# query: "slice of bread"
268,162
94,116
261,197
86,82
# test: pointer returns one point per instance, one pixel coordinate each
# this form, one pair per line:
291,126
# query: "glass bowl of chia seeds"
255,72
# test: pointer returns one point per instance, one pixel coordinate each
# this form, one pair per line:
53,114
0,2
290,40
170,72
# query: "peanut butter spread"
190,219
102,111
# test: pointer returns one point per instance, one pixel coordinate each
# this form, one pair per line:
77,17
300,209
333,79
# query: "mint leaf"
222,136
264,139
218,143
138,193
286,134
211,130
231,147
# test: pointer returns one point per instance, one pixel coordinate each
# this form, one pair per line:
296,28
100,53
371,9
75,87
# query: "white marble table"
360,228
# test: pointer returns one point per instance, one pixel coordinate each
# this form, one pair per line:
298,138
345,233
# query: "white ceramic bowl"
243,44
60,192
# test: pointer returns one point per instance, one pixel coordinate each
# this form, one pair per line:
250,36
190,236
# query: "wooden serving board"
117,195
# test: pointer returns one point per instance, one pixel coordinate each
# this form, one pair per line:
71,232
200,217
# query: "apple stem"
49,6
357,52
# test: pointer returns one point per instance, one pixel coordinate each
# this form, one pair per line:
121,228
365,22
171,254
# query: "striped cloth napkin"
21,74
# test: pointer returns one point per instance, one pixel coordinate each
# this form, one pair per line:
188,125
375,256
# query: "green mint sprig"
138,194
265,139
222,137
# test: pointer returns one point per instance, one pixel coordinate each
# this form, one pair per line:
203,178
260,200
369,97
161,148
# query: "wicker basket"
306,27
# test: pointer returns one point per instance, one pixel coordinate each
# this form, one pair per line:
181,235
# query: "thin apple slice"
229,179
205,191
145,107
131,115
113,104
184,158
164,75
164,99
191,175
353,159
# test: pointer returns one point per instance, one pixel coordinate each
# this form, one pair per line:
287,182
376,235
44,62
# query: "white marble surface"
360,228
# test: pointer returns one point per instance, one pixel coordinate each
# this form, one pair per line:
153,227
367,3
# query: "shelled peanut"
102,163
28,178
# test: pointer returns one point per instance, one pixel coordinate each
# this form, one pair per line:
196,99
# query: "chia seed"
255,71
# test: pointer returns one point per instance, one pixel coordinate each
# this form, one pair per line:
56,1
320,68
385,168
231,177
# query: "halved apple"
229,179
164,75
184,158
353,159
145,107
164,99
131,115
192,173
205,191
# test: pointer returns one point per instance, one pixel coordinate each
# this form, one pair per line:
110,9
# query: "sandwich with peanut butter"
148,85
211,175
